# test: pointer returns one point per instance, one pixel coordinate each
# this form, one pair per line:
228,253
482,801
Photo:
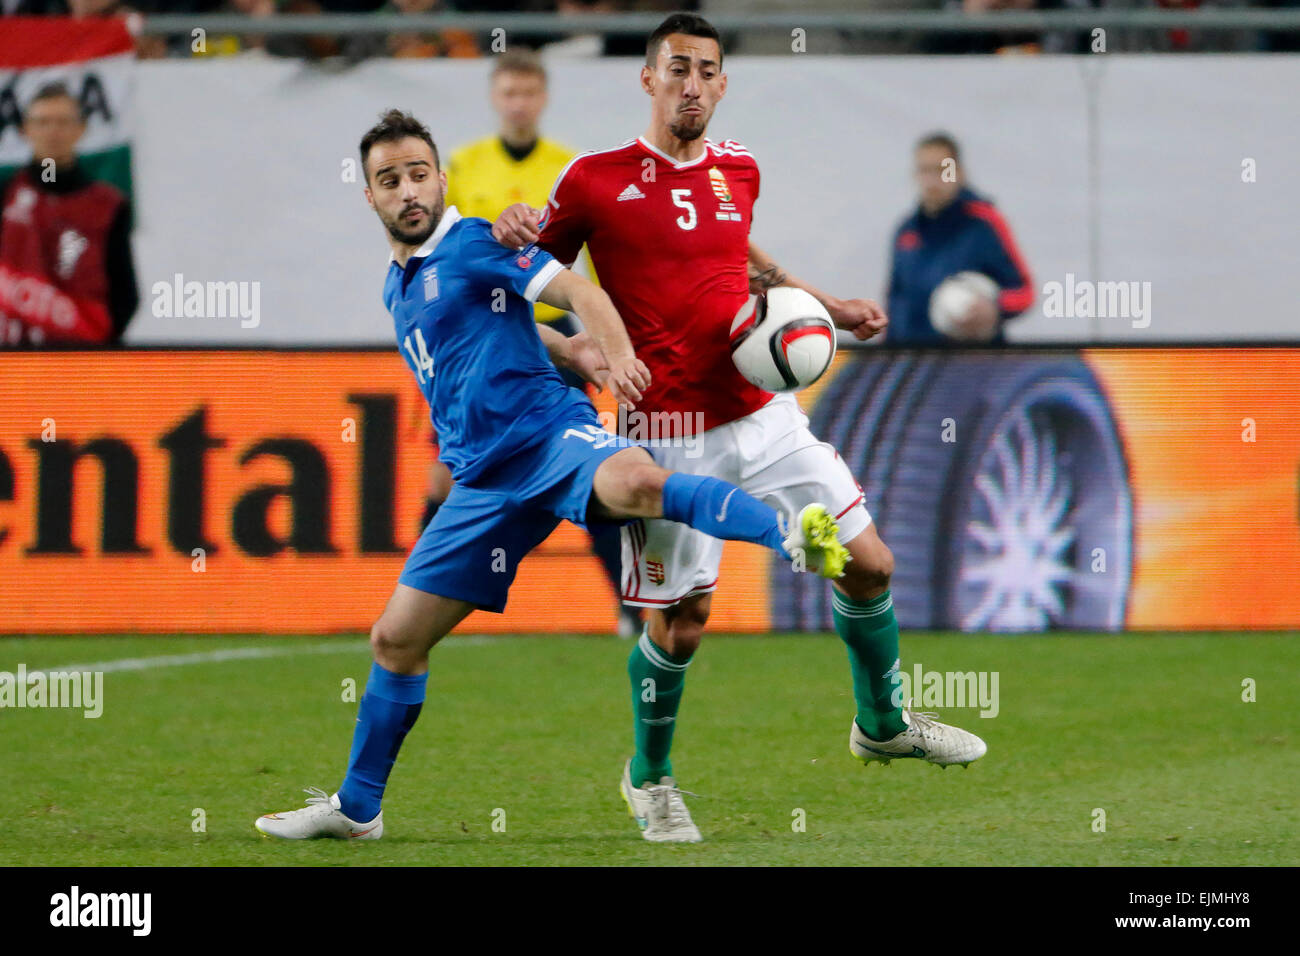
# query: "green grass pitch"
532,733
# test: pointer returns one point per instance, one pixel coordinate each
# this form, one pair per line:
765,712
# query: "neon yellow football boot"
815,544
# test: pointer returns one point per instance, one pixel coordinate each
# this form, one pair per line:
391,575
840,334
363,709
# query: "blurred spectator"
952,230
1068,41
1000,42
824,39
308,47
583,44
449,43
821,40
1182,39
66,274
516,163
317,46
225,44
456,43
594,44
1080,41
531,40
255,43
1279,41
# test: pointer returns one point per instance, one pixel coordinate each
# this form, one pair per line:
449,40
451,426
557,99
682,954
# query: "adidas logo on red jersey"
631,193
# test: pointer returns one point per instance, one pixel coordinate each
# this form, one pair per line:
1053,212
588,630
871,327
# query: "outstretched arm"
863,317
578,353
560,349
627,376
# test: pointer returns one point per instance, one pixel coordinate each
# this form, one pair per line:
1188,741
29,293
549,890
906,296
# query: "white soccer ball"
954,296
783,340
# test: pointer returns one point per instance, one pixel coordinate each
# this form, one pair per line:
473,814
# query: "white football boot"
659,810
925,738
322,817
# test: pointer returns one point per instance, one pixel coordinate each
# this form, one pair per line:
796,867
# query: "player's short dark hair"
943,139
687,23
58,90
395,125
520,60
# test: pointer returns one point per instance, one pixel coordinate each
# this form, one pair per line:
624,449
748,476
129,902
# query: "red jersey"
670,245
54,281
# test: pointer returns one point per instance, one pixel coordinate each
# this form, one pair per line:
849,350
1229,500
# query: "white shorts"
770,454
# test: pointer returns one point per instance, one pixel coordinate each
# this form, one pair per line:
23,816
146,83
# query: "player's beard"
689,128
417,237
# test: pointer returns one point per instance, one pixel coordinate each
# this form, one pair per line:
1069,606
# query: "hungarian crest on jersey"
719,184
726,208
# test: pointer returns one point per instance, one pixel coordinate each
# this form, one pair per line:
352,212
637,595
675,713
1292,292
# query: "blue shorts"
472,547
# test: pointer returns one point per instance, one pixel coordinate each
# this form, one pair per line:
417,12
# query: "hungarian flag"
95,60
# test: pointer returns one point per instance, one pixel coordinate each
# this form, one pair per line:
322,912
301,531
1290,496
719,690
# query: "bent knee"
392,646
684,625
689,627
631,485
645,488
869,572
882,563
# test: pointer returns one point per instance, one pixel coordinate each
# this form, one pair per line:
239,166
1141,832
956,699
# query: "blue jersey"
969,234
462,311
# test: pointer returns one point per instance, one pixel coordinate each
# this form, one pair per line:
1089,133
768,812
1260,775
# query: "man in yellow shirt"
518,164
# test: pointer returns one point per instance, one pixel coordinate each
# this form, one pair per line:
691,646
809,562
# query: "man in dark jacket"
952,230
66,275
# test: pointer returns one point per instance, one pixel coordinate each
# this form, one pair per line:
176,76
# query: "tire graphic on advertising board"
999,481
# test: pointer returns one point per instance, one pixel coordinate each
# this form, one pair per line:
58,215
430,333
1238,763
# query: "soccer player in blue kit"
525,449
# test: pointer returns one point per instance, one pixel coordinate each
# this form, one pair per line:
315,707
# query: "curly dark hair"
687,23
396,125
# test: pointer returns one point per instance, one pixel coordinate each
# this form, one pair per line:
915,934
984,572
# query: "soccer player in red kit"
666,218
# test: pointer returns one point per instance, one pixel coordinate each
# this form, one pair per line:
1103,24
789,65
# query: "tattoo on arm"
767,278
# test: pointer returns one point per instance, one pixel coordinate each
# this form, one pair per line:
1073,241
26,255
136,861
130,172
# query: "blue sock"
388,710
720,509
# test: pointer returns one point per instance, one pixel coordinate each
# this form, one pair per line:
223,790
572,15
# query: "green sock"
870,630
658,679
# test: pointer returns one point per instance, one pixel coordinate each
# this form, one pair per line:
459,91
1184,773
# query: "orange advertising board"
1099,489
245,492
279,492
1213,437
